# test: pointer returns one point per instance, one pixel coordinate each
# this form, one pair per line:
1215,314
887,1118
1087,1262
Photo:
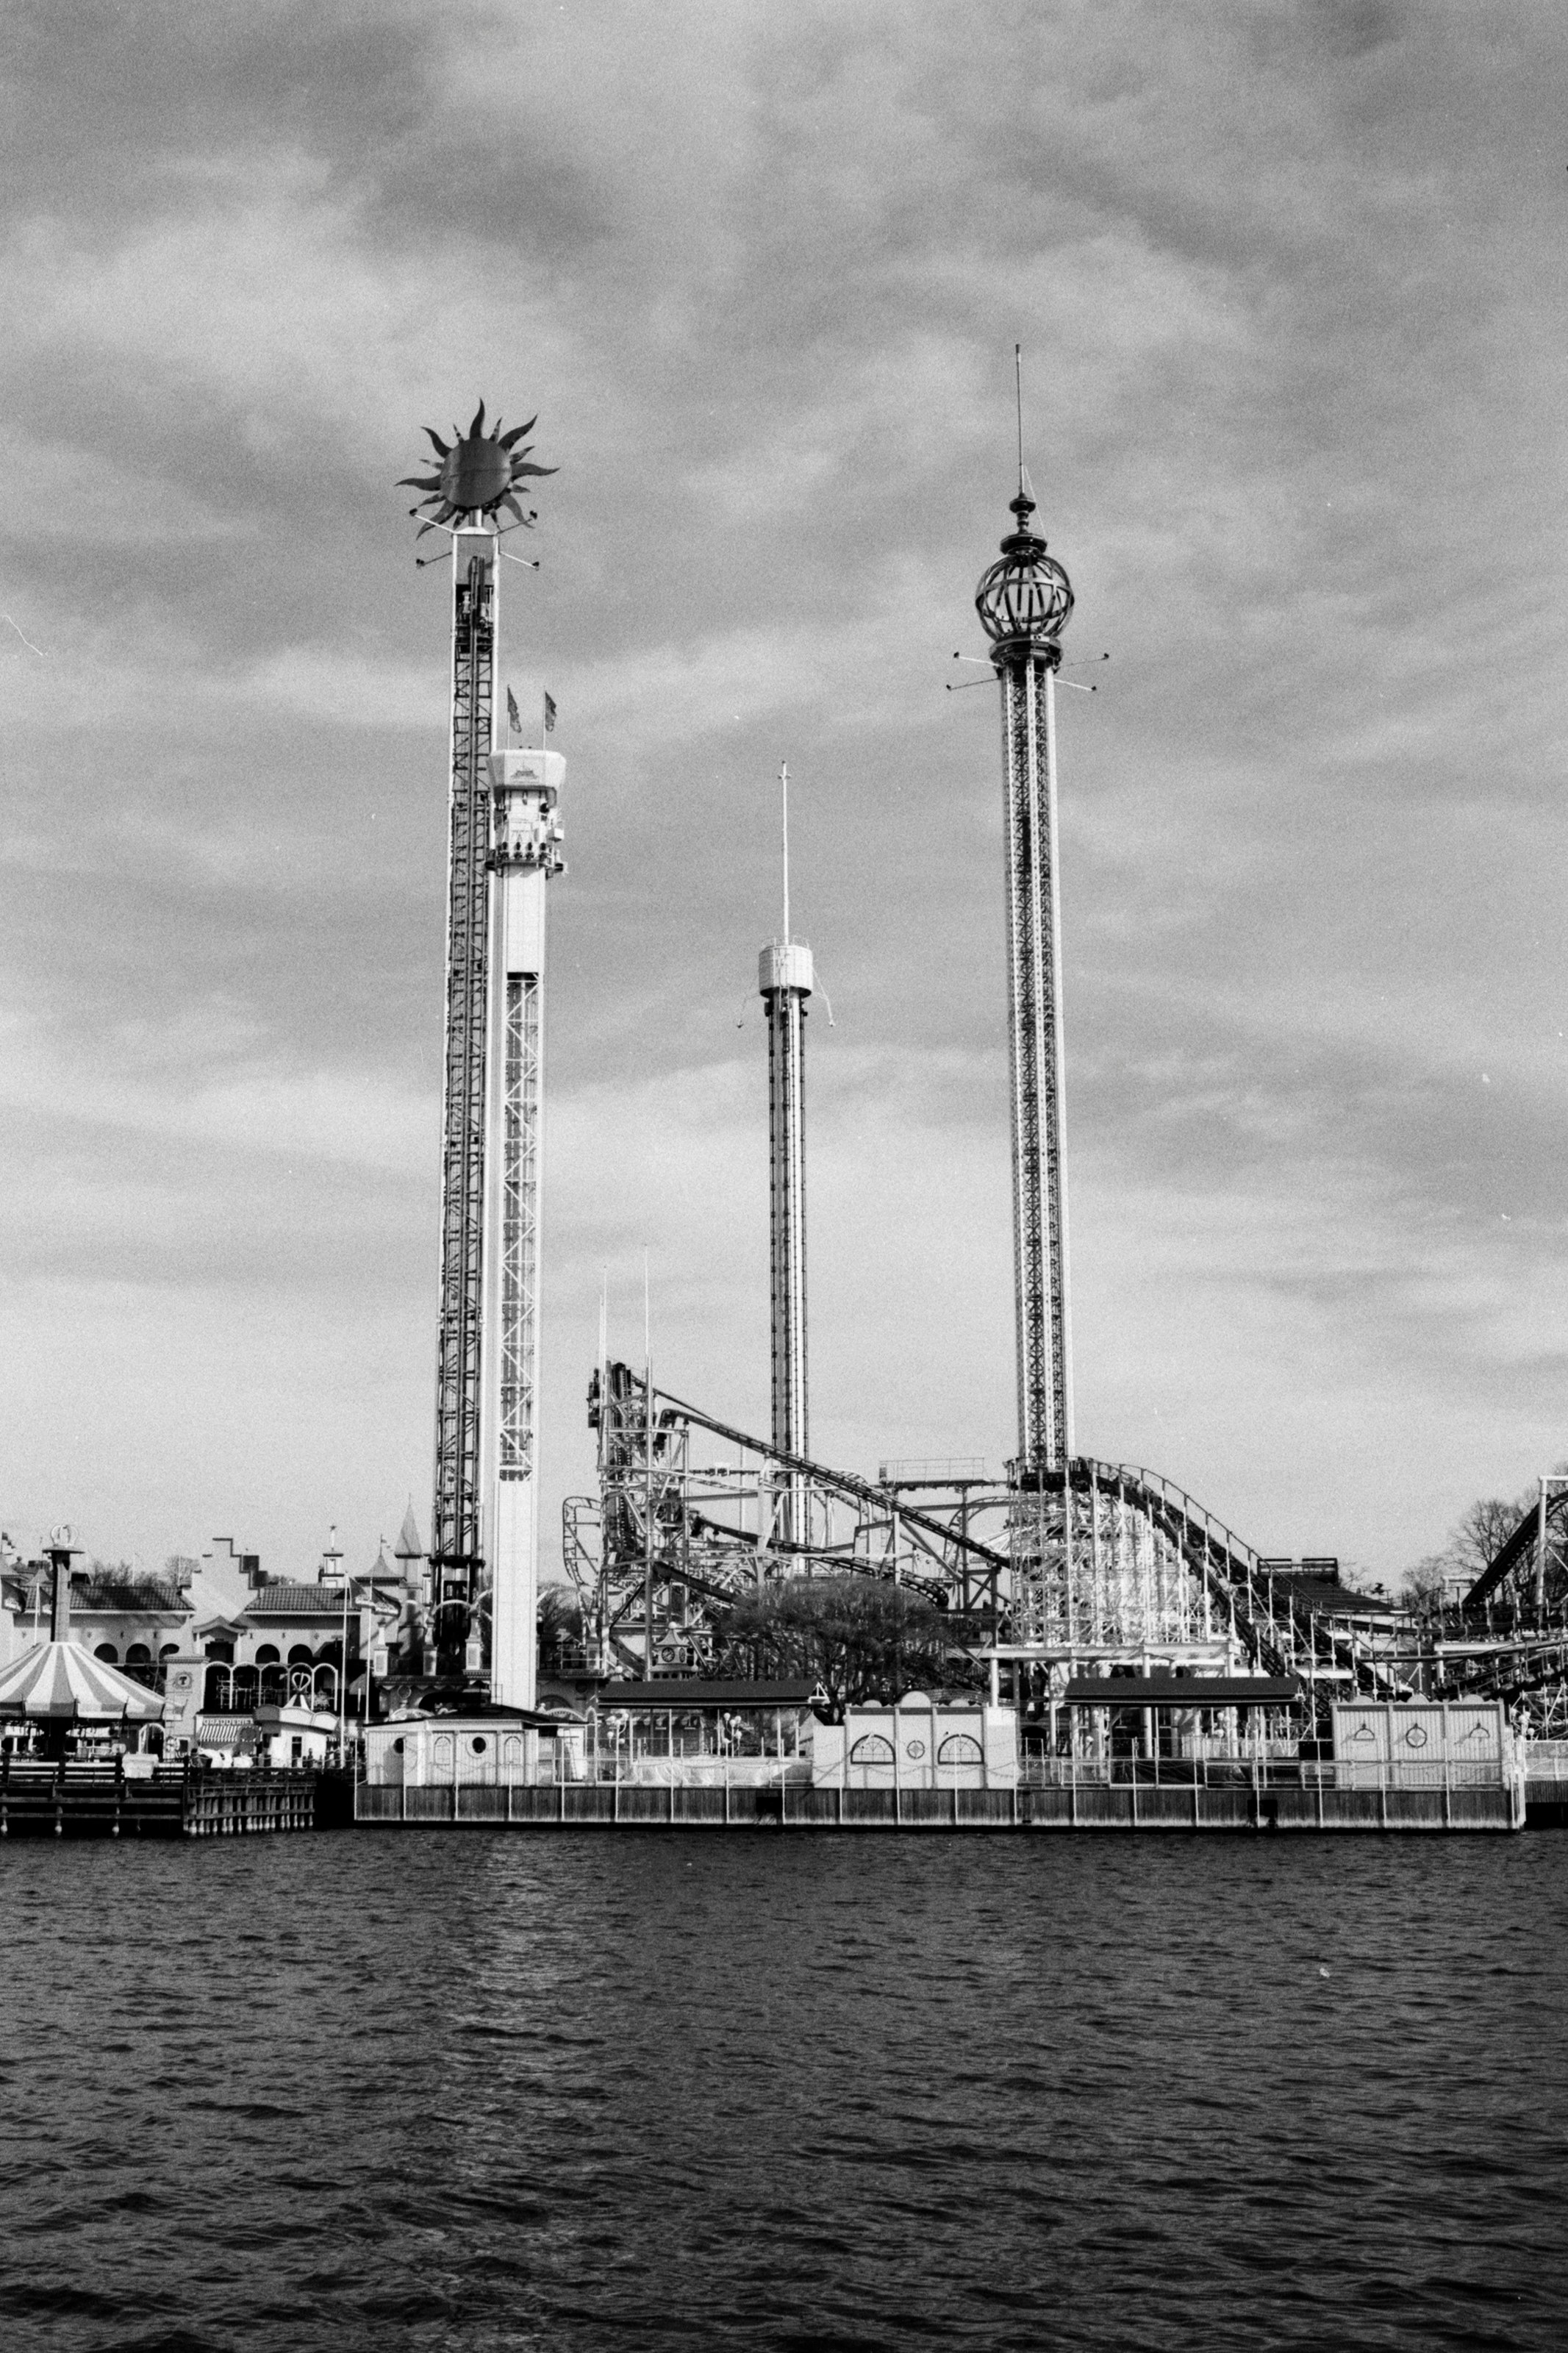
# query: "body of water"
484,2091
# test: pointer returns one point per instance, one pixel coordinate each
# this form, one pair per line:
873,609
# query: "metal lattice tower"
476,477
1023,602
785,978
456,1549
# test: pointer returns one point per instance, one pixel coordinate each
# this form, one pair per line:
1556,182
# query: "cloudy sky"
1289,282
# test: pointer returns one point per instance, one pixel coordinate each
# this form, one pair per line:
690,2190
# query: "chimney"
60,1608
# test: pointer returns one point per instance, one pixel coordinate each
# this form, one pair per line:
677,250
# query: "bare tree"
559,1626
1474,1542
859,1637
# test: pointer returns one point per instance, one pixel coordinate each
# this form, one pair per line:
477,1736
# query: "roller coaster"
1507,1637
1065,1570
1101,1567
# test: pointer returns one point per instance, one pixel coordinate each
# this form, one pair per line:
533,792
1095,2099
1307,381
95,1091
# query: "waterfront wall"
1111,1807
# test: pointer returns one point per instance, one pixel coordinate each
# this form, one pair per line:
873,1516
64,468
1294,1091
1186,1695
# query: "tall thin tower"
784,977
525,854
1023,602
476,481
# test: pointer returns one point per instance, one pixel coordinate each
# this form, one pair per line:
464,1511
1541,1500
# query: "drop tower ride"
503,847
785,980
1023,602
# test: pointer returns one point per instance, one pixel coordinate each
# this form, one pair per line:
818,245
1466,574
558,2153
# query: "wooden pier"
68,1800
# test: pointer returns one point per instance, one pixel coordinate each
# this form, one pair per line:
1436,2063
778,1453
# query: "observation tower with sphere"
503,847
1023,602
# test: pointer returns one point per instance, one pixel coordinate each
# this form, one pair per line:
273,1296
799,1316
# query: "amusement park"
746,1633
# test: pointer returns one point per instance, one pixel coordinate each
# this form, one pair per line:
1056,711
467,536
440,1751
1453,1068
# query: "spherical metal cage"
1026,594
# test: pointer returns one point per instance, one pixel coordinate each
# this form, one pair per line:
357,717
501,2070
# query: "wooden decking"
100,1801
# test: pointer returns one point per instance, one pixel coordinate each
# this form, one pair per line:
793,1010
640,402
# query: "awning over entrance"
1180,1691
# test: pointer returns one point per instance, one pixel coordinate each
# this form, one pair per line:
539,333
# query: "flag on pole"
514,719
550,714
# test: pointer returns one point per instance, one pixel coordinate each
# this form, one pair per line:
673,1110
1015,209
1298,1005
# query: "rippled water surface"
488,2090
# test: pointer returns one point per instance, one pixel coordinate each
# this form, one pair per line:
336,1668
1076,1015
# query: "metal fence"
1264,1772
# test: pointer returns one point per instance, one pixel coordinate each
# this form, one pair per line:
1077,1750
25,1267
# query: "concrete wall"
922,1744
1418,1743
444,1751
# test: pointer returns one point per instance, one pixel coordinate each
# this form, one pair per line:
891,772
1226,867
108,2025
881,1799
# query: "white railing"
1271,1772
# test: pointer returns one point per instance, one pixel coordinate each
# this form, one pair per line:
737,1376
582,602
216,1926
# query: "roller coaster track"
841,1483
1220,1559
1213,1552
1234,1577
1516,1547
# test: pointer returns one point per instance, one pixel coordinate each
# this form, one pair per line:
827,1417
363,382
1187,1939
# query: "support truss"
520,1226
455,1540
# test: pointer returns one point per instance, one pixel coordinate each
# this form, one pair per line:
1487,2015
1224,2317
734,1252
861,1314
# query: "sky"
1289,280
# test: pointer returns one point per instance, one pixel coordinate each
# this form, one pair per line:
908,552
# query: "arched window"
138,1655
300,1655
268,1655
960,1748
218,1691
871,1749
170,1651
108,1653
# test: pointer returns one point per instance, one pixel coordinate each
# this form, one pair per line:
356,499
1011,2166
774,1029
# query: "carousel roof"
63,1679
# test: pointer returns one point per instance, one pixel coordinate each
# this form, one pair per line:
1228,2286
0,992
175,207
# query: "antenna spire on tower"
784,810
1018,400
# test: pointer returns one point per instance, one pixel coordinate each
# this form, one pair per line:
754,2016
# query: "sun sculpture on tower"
479,473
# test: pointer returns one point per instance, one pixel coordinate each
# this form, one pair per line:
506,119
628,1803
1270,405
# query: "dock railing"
1260,1773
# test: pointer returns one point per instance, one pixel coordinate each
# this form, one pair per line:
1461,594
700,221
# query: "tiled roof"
296,1601
125,1593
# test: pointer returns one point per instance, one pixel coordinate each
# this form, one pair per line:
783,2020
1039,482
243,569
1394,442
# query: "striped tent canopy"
64,1679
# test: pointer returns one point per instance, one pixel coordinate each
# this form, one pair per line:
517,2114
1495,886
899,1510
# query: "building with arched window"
921,1743
221,1639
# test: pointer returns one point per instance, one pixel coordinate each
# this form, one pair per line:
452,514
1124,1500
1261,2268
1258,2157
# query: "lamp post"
332,1554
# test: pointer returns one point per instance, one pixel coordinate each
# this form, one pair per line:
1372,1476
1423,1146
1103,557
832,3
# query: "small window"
871,1749
108,1653
138,1655
397,1748
267,1656
960,1748
479,1746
